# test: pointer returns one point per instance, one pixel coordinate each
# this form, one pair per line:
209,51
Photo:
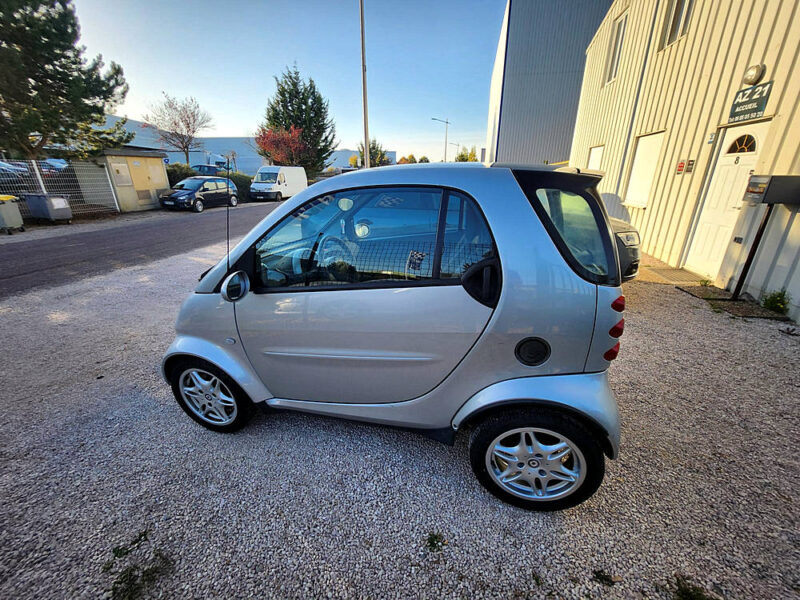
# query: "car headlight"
629,238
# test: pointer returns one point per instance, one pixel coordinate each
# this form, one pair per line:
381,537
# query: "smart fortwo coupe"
431,297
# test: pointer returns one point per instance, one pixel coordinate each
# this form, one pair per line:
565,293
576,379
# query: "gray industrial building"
536,80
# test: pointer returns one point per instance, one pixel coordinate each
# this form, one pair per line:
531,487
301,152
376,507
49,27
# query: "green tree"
377,155
411,158
50,95
465,155
424,159
298,103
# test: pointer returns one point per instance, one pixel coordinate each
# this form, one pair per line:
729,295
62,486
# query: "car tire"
198,206
278,197
536,477
194,382
233,201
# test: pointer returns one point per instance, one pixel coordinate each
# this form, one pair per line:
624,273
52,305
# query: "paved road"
28,265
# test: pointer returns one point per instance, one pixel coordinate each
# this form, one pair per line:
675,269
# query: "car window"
353,237
189,184
575,222
466,237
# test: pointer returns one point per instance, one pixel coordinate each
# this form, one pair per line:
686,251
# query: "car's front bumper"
259,195
173,203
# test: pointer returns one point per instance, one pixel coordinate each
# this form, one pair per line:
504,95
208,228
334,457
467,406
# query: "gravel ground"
95,452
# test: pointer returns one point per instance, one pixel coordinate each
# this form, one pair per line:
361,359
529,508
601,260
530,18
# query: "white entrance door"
740,148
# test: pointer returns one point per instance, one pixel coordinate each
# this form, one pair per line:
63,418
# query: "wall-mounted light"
754,74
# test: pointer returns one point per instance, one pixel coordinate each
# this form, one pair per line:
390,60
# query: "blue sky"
424,59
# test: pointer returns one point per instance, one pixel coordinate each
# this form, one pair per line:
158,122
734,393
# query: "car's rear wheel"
198,206
209,396
537,459
233,201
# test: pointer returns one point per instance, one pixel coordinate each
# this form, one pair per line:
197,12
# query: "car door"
221,192
357,296
281,186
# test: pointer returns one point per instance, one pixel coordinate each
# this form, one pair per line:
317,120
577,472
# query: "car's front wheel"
209,396
537,459
198,206
233,201
278,197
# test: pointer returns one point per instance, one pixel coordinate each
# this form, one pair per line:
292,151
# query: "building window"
745,143
617,37
595,162
677,23
643,171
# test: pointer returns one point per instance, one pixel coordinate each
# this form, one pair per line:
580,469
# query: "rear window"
575,219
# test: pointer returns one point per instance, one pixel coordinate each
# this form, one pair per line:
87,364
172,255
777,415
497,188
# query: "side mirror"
235,286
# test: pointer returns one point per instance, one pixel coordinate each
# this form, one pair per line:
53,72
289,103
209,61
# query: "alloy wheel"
535,463
207,396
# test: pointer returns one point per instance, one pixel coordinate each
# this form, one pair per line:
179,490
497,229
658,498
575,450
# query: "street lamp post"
458,148
446,125
364,86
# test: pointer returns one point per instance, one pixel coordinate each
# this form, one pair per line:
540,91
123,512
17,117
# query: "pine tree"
50,95
298,103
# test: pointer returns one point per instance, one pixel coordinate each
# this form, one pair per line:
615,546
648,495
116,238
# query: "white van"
278,183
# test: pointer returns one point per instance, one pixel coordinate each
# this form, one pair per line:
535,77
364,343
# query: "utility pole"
446,125
364,86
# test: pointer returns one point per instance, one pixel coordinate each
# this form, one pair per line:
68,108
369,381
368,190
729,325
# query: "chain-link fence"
85,185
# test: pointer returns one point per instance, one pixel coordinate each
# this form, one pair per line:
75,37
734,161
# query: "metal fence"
84,184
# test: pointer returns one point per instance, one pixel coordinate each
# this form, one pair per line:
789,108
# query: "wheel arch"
587,397
236,367
597,430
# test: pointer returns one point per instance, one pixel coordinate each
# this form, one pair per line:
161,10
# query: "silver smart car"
432,297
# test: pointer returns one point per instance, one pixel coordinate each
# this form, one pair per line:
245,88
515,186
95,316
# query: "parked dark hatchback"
198,192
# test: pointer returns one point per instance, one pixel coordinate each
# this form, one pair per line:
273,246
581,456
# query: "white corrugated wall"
686,90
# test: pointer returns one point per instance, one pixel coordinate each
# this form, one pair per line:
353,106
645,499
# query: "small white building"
681,101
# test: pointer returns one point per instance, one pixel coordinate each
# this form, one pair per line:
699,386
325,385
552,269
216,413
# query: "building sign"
681,167
750,103
689,166
166,160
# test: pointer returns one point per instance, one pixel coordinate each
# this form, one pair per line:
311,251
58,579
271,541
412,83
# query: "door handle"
482,281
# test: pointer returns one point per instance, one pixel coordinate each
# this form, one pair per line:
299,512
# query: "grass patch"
133,579
777,301
435,542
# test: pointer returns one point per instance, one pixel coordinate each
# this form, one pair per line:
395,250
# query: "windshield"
266,177
189,184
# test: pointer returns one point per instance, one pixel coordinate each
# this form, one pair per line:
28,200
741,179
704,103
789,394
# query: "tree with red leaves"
282,147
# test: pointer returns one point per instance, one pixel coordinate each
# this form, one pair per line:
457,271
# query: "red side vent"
619,304
616,330
612,354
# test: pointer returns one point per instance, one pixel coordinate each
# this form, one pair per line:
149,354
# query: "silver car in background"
432,297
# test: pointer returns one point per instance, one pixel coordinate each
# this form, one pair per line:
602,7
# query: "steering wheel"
298,256
331,250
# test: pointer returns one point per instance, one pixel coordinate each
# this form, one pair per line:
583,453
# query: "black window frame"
247,262
584,186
